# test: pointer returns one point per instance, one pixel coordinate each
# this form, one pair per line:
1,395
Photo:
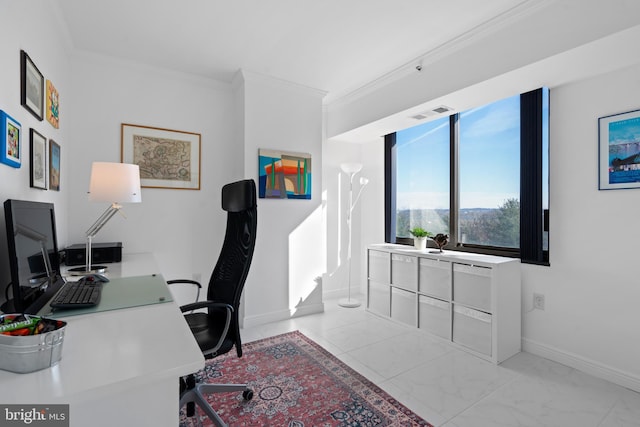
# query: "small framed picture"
53,105
10,141
54,165
619,151
31,86
38,160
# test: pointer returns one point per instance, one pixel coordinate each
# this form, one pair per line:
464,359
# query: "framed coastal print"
54,166
619,151
167,158
31,86
38,160
53,105
10,141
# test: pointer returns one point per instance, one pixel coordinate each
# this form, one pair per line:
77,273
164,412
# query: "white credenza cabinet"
470,300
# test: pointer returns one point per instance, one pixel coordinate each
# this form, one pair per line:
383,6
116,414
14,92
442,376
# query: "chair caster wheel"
247,394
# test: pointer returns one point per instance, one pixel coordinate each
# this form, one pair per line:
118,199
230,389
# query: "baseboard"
588,366
276,316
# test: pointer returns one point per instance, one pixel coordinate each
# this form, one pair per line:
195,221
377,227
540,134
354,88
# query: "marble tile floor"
451,388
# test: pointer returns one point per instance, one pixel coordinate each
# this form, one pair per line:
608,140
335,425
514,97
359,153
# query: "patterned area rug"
297,383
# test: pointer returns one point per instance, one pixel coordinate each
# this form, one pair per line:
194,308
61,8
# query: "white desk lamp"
351,169
110,182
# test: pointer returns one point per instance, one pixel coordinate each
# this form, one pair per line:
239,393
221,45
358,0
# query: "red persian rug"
297,383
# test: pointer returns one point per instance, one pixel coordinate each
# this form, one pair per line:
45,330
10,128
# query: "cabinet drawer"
403,306
472,286
434,316
379,266
404,271
435,278
472,329
378,298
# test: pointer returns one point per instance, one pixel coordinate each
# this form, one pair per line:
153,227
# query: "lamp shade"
115,183
351,167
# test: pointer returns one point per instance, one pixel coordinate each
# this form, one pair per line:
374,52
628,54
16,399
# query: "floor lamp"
351,169
110,182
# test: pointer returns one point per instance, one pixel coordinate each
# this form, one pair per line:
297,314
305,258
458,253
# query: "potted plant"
420,237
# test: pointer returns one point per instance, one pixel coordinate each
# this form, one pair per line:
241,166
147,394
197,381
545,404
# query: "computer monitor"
33,255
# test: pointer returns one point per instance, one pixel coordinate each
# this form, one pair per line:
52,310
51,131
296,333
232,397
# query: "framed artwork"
53,105
31,86
619,151
10,141
54,165
167,158
38,160
284,175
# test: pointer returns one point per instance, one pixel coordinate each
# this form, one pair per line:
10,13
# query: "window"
480,176
422,191
489,175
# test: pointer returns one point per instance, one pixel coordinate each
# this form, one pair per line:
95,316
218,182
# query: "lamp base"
82,271
348,303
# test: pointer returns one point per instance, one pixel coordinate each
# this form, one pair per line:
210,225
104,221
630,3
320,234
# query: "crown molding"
491,26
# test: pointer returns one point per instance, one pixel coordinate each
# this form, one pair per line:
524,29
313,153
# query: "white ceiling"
335,46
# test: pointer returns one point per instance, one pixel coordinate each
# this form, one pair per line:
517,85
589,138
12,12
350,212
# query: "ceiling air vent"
420,116
430,113
441,109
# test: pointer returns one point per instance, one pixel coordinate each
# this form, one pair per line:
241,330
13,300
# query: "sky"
489,159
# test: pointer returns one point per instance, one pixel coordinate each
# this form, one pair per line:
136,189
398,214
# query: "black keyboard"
80,294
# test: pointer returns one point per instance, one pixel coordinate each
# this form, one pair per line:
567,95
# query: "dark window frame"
533,219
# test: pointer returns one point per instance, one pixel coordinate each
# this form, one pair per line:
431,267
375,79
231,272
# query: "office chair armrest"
188,282
206,304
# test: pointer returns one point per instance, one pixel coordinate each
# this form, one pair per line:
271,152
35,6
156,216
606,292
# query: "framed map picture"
167,158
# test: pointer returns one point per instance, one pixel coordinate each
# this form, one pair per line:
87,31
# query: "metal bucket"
29,353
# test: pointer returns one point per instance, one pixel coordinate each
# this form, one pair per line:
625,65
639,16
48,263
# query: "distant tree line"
494,227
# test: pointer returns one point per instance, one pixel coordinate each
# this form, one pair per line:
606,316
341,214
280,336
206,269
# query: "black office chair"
218,330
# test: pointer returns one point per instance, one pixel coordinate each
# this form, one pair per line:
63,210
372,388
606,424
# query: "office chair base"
197,395
348,303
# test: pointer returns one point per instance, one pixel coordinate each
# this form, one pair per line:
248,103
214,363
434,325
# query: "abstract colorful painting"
284,175
53,105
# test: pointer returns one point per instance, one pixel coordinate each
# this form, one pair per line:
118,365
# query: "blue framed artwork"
10,141
619,151
284,175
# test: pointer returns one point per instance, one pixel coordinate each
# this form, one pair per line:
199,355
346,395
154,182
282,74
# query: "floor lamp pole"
351,169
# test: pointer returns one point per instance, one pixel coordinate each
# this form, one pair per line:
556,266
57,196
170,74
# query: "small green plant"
419,232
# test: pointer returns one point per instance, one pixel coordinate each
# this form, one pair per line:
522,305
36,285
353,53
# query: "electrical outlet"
538,301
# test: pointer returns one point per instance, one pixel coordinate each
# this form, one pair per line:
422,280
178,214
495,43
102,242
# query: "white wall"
591,288
290,250
183,228
48,47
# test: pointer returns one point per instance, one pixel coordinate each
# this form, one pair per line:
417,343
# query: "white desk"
118,368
